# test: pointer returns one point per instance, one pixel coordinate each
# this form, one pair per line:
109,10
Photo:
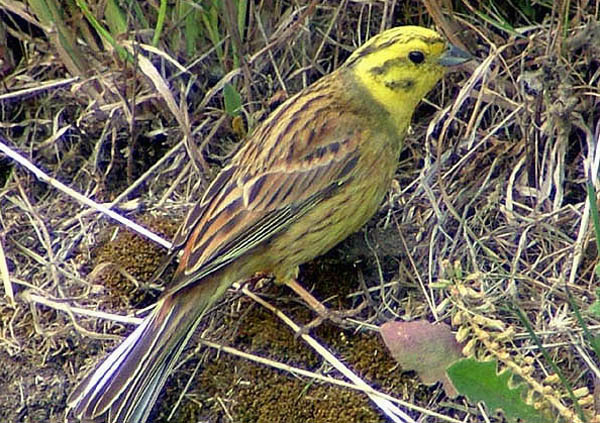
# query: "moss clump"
125,264
228,388
259,394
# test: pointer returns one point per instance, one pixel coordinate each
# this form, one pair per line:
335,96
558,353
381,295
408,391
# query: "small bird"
310,175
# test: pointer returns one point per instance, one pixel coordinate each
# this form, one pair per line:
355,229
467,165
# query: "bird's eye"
416,57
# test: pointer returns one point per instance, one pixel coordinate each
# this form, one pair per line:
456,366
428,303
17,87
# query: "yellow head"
400,65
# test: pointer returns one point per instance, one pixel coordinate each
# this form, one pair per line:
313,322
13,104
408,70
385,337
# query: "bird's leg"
324,313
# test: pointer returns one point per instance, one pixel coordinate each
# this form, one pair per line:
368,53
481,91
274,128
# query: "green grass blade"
123,53
160,22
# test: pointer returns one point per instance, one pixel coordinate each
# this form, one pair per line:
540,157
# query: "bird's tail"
124,387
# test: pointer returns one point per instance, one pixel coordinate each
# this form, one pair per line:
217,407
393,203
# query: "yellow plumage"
311,174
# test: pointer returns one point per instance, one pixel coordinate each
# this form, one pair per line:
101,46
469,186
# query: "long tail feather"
126,384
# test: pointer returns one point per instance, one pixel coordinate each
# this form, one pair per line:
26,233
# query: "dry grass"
490,203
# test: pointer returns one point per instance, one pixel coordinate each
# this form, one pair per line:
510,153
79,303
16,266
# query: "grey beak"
454,56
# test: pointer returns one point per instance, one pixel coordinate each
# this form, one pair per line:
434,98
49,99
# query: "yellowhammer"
311,174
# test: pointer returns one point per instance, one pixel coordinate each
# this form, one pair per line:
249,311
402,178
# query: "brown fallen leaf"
425,348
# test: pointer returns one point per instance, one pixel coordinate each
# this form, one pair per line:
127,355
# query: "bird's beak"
454,56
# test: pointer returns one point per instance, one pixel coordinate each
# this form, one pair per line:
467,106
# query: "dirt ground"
490,197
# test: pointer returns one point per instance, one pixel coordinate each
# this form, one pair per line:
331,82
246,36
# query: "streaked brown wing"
247,205
315,118
186,228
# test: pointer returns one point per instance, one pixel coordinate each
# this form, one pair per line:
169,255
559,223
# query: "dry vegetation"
489,213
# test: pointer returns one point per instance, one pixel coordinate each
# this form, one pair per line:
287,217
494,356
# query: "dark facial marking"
377,70
400,85
387,65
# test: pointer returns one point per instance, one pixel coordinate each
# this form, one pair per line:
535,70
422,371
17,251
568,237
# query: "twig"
8,291
4,148
31,298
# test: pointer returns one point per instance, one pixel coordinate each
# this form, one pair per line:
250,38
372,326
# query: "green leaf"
233,100
479,381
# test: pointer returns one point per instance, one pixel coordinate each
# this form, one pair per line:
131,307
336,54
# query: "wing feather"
262,193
